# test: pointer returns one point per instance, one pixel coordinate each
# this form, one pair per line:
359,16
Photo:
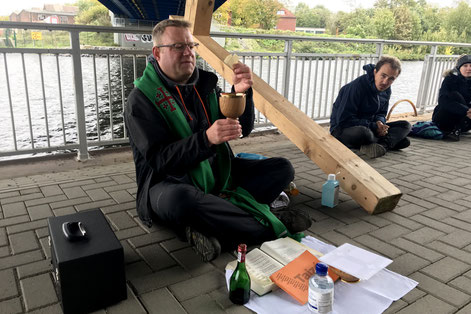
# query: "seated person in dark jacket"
358,114
187,176
453,112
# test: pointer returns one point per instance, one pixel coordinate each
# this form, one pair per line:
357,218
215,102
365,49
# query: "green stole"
202,175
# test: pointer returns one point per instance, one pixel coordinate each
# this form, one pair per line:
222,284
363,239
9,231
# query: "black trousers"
448,121
179,205
356,136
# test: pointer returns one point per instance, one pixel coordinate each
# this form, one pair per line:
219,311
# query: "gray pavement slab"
427,235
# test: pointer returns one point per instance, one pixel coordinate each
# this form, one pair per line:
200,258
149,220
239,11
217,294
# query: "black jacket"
158,153
360,103
448,101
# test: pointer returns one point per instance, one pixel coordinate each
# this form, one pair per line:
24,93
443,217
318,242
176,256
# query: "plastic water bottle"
330,192
321,291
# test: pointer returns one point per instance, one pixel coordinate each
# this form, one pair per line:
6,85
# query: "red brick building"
51,13
286,20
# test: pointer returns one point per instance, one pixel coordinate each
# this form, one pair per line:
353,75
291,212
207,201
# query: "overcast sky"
9,6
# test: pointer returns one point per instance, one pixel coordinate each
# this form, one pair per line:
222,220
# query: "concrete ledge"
62,162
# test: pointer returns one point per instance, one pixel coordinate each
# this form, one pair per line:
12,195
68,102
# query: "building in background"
311,30
286,20
51,13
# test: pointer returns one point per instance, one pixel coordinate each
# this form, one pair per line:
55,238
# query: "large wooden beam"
199,13
363,183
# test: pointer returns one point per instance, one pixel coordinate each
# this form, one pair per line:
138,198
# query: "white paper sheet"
389,284
320,246
346,298
371,296
356,261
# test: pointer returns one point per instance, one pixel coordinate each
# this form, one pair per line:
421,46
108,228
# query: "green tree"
92,12
305,16
391,4
263,13
407,24
249,13
383,21
315,17
382,4
457,22
337,23
357,23
432,20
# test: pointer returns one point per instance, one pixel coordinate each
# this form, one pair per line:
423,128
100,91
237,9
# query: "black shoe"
373,150
453,135
405,142
294,220
208,248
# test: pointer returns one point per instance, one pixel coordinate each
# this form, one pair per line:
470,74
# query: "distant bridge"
153,10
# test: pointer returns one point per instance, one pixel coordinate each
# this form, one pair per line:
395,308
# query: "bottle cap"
242,248
321,269
331,177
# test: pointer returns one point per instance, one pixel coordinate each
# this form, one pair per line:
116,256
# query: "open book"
271,257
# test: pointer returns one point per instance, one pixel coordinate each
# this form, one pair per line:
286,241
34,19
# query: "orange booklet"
294,277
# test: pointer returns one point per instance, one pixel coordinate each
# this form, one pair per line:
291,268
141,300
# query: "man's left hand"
242,77
382,128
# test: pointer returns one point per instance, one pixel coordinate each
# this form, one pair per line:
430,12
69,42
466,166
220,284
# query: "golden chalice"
232,105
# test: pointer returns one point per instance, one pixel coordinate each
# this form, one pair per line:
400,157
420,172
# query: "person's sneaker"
208,248
373,150
294,220
282,201
454,135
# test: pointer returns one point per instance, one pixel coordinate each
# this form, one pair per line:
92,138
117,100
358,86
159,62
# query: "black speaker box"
87,260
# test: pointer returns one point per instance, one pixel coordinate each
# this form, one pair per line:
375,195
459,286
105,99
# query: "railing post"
287,70
425,80
79,102
379,49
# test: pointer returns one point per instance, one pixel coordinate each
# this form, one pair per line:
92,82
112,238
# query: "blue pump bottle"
330,192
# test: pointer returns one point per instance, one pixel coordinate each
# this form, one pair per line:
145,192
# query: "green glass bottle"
239,285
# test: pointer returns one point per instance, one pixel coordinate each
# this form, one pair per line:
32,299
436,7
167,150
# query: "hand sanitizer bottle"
330,192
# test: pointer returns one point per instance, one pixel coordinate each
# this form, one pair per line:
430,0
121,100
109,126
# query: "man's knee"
285,167
360,135
175,203
366,134
403,124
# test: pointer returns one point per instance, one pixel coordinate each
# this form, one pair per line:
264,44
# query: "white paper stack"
375,292
356,261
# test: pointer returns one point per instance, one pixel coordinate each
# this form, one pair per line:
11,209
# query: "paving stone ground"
428,235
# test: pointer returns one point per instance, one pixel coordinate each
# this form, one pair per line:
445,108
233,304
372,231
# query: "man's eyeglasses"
180,46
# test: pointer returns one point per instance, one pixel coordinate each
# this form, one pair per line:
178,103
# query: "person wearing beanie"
453,112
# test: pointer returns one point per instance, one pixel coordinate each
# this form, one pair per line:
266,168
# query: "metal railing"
73,98
432,77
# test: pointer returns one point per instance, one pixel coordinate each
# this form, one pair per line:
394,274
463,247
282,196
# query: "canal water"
54,105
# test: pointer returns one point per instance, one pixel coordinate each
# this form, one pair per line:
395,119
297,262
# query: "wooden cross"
363,183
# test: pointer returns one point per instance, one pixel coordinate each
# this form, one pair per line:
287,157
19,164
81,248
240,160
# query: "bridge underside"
153,10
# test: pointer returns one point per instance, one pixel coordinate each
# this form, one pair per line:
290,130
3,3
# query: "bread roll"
343,275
